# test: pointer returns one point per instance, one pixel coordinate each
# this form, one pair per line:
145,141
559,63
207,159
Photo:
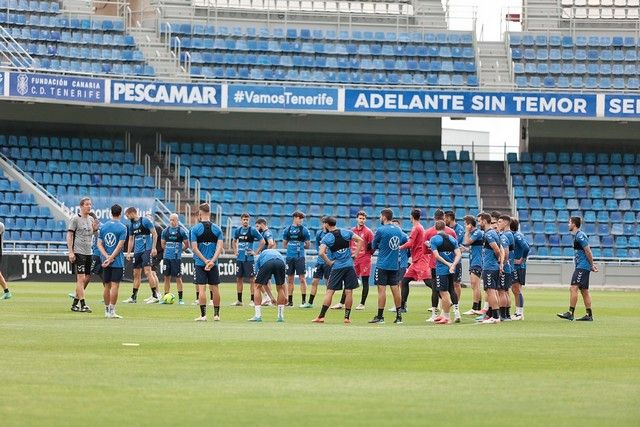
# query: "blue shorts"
296,266
113,275
244,269
476,271
505,281
580,278
457,276
202,277
385,277
518,276
172,268
342,278
141,259
322,271
444,282
273,267
491,279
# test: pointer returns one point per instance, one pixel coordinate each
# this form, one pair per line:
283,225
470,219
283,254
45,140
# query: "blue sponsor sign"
2,77
64,88
623,106
166,94
470,103
283,98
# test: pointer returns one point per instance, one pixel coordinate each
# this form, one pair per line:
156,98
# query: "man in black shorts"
343,274
270,263
322,270
79,242
113,235
584,266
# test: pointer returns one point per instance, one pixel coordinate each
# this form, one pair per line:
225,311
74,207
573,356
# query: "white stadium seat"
367,7
393,9
633,3
567,2
594,13
567,13
594,2
619,13
580,2
633,14
606,2
355,7
343,6
246,4
581,13
331,6
306,5
318,6
606,13
284,5
381,8
620,3
407,9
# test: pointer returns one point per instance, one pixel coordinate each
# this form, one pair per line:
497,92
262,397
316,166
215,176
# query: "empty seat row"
630,13
605,3
604,55
577,82
30,6
566,41
317,6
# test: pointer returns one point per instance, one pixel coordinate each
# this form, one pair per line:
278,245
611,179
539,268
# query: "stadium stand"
94,45
565,61
357,57
24,220
273,181
64,166
600,9
602,188
358,7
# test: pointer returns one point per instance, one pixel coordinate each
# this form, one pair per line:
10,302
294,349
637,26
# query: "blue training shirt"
387,240
580,242
459,229
208,246
94,245
489,260
342,258
174,237
112,233
139,229
247,237
508,243
268,255
296,236
475,249
521,249
403,260
437,243
319,235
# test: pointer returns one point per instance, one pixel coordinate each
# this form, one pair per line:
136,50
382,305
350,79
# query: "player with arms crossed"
343,274
584,266
174,240
206,244
113,235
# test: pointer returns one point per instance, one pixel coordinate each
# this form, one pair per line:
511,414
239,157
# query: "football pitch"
64,368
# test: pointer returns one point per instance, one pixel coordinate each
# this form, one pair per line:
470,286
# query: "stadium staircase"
493,64
494,190
540,15
430,14
158,54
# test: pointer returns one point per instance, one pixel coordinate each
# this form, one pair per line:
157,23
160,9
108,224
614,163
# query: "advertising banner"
57,87
470,103
283,98
622,106
166,94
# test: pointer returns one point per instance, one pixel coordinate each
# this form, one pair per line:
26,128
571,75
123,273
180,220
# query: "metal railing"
510,193
14,53
36,184
20,246
477,180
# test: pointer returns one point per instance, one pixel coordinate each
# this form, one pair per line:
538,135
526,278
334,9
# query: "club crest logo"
22,86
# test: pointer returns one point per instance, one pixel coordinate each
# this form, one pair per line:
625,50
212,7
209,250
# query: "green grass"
64,368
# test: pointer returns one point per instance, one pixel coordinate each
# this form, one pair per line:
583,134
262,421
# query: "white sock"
258,309
446,315
520,311
456,310
485,306
281,311
433,312
111,308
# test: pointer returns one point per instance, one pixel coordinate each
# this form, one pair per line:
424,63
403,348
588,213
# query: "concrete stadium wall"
581,135
424,133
